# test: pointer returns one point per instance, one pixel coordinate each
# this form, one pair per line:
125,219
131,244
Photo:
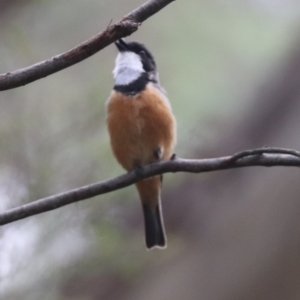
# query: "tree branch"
265,150
267,157
124,27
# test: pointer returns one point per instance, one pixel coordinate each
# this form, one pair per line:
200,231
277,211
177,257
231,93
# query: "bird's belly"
133,139
138,127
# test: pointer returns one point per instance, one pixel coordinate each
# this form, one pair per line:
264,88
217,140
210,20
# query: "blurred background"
232,72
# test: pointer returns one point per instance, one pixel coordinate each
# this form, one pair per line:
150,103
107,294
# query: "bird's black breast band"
134,87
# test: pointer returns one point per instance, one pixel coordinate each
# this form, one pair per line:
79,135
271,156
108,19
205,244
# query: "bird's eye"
142,52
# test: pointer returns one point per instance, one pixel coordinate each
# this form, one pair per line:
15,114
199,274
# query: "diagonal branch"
124,27
267,157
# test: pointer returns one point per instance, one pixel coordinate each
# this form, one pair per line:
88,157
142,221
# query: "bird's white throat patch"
128,68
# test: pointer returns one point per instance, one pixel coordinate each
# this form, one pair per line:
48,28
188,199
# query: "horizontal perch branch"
125,27
267,157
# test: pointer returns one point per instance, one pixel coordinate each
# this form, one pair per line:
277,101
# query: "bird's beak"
122,45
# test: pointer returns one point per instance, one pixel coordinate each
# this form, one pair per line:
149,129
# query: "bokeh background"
232,72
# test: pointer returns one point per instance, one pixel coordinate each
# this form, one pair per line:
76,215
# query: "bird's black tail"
154,227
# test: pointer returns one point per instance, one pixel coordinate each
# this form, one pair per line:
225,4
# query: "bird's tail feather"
149,190
154,227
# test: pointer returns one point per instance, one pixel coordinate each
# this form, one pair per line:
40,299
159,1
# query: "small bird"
142,128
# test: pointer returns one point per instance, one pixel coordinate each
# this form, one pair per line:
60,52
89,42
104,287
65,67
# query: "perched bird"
142,128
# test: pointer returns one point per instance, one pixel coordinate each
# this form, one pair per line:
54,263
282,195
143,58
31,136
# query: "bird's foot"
138,170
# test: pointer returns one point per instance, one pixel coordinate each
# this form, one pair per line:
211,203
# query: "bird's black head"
145,55
134,68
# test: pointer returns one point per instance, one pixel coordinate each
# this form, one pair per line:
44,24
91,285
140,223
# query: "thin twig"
282,157
123,28
264,150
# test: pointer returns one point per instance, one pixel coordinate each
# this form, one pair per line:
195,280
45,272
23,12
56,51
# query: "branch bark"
125,27
267,157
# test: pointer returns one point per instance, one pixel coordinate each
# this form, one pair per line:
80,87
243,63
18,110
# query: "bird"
142,128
